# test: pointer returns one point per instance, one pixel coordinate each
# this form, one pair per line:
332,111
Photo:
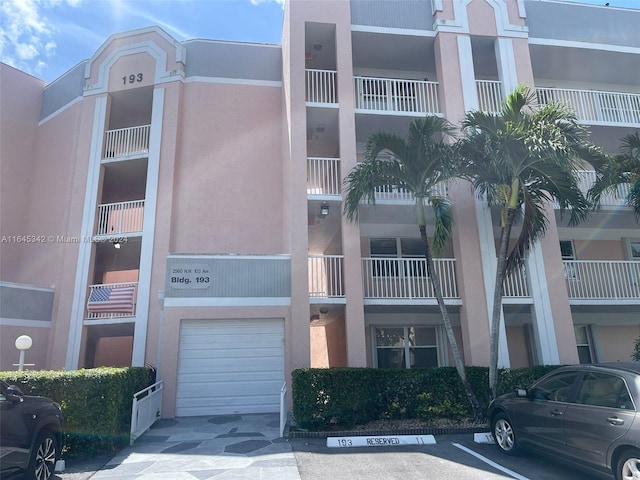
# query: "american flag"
111,300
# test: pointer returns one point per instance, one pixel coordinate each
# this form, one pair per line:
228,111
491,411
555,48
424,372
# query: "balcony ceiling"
393,52
585,66
130,108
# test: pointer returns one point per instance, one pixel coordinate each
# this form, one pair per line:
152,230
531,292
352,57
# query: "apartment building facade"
179,204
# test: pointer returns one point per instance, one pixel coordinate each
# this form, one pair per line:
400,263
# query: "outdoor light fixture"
116,244
23,343
324,209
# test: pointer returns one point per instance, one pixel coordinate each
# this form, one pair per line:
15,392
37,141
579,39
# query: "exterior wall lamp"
324,209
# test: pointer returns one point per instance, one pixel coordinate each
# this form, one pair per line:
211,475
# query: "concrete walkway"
238,447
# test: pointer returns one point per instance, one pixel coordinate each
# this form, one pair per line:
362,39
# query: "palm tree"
619,170
416,164
519,160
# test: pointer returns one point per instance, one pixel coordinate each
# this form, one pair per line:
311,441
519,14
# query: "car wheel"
504,434
43,457
629,465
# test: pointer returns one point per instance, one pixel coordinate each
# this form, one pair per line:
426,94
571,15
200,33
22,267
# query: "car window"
604,390
555,388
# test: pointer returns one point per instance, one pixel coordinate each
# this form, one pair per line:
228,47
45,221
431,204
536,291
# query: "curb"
371,433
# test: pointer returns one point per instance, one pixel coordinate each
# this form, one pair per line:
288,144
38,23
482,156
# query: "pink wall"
229,151
599,250
616,343
17,146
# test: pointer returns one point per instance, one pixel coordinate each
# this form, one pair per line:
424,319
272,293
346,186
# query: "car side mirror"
14,394
522,392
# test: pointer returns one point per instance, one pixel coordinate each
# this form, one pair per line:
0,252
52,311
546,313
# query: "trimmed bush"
96,403
346,397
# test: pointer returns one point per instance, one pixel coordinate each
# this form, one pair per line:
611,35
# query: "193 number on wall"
133,78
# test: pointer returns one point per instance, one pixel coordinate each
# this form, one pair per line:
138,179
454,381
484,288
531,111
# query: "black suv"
30,434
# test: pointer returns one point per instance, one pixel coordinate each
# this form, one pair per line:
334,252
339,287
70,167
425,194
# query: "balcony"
602,281
406,278
321,87
596,107
325,277
323,177
128,142
112,301
392,194
396,96
515,287
119,218
489,95
616,198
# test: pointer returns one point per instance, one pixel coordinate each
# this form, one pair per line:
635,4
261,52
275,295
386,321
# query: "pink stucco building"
179,203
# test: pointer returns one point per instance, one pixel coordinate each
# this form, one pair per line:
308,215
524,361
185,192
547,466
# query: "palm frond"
443,221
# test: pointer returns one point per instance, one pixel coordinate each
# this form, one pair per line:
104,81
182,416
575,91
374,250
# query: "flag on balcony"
111,299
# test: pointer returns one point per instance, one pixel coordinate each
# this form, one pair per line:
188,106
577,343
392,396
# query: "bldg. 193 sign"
190,275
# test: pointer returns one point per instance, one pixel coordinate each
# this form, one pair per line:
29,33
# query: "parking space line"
491,462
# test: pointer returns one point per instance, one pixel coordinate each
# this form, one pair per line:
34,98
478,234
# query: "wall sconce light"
324,209
116,244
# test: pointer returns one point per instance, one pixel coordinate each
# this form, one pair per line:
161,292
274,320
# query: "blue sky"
48,37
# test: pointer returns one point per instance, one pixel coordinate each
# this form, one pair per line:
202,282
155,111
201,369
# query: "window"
556,388
394,345
411,249
634,250
583,342
633,253
604,390
568,259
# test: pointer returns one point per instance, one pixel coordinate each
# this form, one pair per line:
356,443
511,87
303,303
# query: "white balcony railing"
323,176
602,279
125,142
515,285
596,107
112,300
397,95
616,197
321,86
121,217
393,194
406,278
489,95
325,276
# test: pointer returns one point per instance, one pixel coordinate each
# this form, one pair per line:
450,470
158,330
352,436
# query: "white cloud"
27,35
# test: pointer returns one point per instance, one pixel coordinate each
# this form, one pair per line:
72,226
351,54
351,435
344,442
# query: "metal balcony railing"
602,279
596,107
489,95
393,194
121,217
125,142
321,86
112,300
323,176
406,278
515,285
397,95
326,276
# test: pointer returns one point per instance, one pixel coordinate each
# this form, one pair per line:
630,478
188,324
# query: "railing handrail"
320,70
152,392
119,284
128,202
623,262
588,90
324,158
128,128
325,256
394,79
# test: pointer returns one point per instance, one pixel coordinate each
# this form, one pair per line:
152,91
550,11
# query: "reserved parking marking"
380,441
491,462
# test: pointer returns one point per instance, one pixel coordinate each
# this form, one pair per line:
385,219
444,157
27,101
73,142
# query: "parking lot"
452,457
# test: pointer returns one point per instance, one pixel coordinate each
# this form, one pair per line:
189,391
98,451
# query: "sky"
46,38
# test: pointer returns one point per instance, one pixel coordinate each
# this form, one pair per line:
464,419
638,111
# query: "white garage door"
230,366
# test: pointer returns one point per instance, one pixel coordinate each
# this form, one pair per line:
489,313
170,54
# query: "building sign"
190,276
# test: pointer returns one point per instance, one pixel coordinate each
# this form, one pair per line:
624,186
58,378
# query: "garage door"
230,366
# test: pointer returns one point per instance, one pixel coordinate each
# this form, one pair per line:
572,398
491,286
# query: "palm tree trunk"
437,289
497,301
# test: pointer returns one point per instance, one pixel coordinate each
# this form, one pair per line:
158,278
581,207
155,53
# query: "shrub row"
355,396
96,403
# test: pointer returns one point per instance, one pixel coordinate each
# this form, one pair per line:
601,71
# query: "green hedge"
355,396
96,403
